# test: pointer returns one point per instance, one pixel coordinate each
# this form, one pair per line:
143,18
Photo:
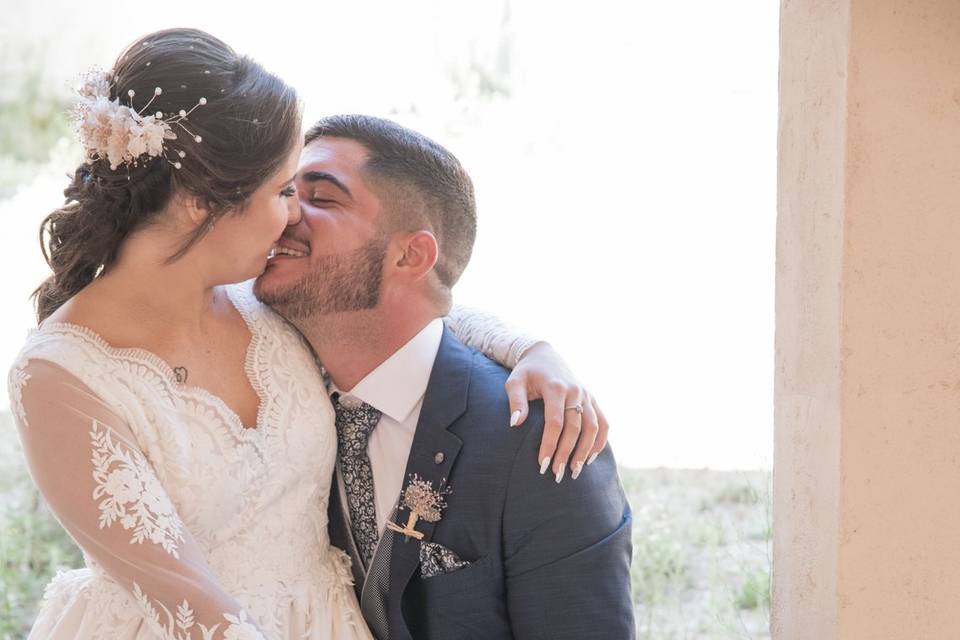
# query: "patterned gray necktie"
354,426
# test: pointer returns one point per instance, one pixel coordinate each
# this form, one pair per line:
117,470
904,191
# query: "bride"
177,427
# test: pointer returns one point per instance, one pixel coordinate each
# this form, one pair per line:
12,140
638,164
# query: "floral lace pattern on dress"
182,625
128,491
18,377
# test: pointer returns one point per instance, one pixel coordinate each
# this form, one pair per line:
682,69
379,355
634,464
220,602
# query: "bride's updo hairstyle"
247,125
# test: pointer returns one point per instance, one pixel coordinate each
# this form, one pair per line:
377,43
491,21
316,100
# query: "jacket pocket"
468,577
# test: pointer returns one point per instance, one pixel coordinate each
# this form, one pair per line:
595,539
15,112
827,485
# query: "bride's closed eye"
289,192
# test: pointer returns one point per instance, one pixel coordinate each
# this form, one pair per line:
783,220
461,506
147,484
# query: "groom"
453,529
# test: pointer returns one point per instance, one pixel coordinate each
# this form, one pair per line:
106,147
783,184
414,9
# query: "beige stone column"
867,448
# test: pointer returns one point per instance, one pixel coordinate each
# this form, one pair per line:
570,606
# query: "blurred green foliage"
659,564
755,591
33,546
33,112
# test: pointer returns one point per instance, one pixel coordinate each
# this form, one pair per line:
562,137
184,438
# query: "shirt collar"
396,386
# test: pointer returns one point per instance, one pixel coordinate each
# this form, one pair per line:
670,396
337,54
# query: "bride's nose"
293,211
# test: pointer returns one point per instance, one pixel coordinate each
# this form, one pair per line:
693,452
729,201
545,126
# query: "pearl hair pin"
122,134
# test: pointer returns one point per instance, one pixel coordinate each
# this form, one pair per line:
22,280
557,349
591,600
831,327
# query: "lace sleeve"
489,334
85,461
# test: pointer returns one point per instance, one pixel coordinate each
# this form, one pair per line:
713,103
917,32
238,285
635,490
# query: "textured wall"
809,262
867,463
900,529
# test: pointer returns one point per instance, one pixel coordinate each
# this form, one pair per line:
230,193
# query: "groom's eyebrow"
323,176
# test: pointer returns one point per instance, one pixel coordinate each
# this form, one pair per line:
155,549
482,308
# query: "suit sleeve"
567,550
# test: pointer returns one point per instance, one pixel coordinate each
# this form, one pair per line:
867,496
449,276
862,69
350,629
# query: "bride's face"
241,242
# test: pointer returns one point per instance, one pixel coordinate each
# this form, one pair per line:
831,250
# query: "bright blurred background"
623,155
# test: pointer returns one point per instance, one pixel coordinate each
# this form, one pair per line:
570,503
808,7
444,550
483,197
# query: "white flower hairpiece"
121,134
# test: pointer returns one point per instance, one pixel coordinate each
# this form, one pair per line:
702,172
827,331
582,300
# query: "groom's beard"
337,284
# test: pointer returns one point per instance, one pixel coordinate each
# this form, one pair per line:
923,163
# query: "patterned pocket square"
436,560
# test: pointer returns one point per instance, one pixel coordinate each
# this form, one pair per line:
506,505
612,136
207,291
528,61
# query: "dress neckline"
166,372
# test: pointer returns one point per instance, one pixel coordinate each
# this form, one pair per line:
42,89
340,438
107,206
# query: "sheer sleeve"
489,334
85,460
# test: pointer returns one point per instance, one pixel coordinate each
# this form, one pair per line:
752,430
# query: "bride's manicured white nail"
544,465
515,418
577,468
592,458
563,467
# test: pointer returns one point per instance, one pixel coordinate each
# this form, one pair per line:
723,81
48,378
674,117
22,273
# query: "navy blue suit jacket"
547,561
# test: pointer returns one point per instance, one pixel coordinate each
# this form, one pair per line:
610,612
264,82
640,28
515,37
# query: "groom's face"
332,260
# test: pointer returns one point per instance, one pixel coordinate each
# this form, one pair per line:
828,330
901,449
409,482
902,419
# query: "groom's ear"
416,255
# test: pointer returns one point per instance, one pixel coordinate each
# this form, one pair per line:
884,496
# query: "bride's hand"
542,373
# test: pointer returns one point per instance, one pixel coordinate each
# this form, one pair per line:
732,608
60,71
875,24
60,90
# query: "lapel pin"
424,502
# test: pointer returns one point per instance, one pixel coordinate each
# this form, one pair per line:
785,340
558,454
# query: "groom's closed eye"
313,177
321,200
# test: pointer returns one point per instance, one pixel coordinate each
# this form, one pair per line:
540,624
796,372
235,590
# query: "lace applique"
18,378
183,625
132,494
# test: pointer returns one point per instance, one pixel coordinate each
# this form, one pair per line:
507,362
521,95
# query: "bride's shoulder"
76,352
80,320
76,336
93,310
63,343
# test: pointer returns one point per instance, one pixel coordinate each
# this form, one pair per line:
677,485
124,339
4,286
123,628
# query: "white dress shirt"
396,389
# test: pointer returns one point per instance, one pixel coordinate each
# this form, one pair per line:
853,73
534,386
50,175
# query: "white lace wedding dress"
192,526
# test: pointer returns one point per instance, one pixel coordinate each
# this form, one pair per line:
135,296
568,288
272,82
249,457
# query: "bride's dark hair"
248,126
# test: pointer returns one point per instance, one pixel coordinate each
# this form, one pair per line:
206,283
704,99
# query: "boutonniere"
424,502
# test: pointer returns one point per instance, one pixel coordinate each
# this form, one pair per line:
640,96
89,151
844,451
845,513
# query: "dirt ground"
701,559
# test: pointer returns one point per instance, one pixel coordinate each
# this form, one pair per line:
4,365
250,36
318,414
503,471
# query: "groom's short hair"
421,185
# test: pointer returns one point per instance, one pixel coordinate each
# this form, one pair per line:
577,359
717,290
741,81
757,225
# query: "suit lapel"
434,450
